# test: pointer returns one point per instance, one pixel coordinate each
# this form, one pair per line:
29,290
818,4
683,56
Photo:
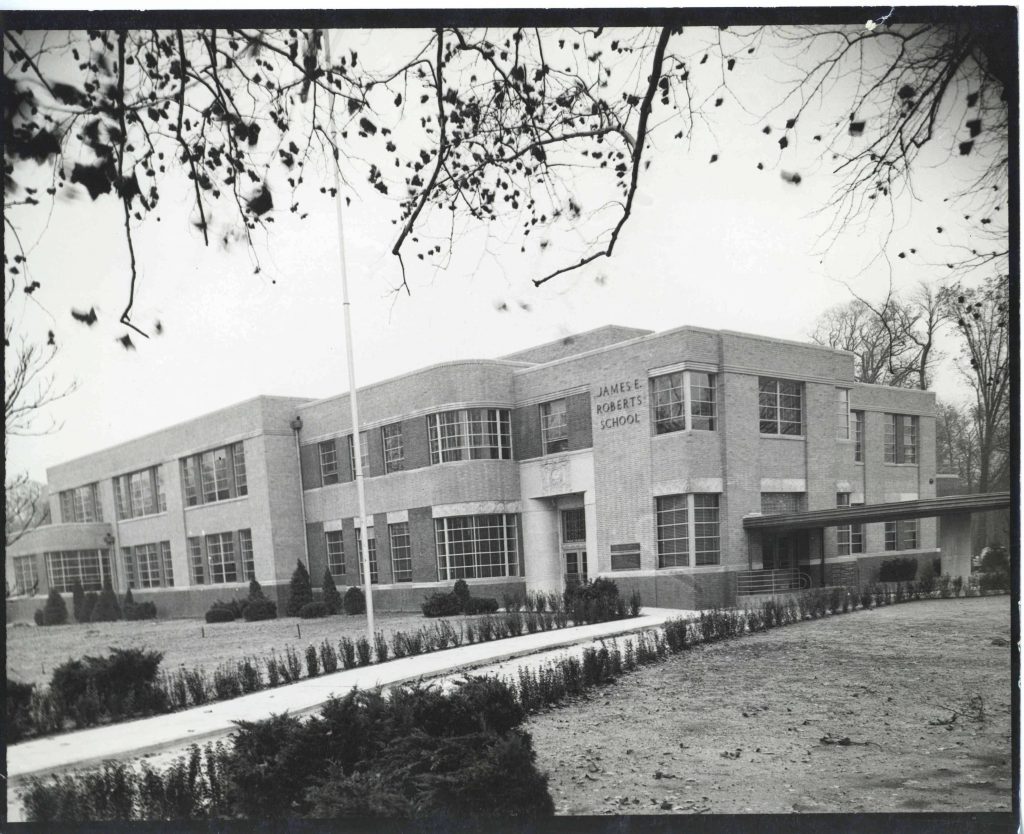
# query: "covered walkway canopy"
866,513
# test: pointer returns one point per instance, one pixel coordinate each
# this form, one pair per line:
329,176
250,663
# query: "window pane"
372,544
335,553
238,456
26,579
857,423
189,479
148,563
220,552
706,541
470,434
328,462
702,401
842,413
195,556
401,552
470,547
554,427
673,531
667,392
168,564
890,438
394,453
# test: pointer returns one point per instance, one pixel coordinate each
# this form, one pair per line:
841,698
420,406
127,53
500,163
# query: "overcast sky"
718,245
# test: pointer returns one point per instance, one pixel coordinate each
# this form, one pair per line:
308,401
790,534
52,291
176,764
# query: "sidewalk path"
179,729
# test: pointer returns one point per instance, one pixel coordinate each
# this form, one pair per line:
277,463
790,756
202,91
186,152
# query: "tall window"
470,434
554,427
401,552
81,505
328,462
857,426
214,475
197,568
780,404
140,493
476,546
684,400
220,553
780,503
147,560
688,524
165,555
900,438
843,413
248,559
364,453
372,544
849,537
26,577
394,453
335,552
90,567
901,535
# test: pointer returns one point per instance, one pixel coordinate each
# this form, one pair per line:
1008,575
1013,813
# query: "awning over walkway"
866,513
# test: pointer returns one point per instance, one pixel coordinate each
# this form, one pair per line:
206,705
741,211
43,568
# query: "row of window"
65,567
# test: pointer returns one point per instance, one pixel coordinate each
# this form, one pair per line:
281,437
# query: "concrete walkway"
198,724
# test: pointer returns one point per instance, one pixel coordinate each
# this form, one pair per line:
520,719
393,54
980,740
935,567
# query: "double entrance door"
574,544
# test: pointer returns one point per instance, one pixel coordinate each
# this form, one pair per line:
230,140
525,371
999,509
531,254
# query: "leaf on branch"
857,128
69,95
766,130
261,202
86,318
974,126
972,99
790,123
906,92
31,288
367,126
730,63
783,143
794,178
965,148
126,342
97,179
714,158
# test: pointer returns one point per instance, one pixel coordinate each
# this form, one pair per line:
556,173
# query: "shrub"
78,601
255,590
328,657
88,605
364,655
461,592
249,675
55,611
482,605
635,603
442,604
355,601
347,652
140,611
220,613
19,714
312,661
313,610
593,602
107,608
39,616
900,569
928,579
300,590
260,608
380,647
120,685
331,596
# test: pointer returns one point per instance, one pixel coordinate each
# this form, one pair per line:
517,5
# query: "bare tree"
893,341
27,507
956,440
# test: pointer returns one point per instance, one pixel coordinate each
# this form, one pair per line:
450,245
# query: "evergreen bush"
55,611
88,605
300,590
220,613
442,604
331,596
260,609
313,610
354,601
107,609
461,592
78,600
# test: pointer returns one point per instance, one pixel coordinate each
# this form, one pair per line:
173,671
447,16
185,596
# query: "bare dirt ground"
33,652
906,708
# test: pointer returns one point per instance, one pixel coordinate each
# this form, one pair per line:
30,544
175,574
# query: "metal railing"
755,582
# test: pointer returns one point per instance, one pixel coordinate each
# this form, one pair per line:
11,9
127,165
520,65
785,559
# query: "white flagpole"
347,310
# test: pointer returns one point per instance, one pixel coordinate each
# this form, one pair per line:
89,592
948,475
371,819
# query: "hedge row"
93,607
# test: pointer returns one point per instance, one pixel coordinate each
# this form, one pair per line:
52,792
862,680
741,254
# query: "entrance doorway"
785,551
574,544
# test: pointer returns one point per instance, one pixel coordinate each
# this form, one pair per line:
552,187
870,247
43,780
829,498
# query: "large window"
842,413
81,505
168,564
328,462
335,552
26,578
401,552
470,434
140,493
857,427
214,475
780,503
900,438
220,553
196,563
372,543
688,524
476,546
554,427
90,567
248,559
684,400
901,535
143,564
849,537
394,452
364,453
780,404
221,557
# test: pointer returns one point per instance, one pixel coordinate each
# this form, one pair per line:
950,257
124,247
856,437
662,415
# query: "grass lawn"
906,708
33,652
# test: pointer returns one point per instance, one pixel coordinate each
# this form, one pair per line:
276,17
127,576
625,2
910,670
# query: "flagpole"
349,355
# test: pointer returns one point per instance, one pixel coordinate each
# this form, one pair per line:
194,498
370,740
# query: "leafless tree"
956,439
27,507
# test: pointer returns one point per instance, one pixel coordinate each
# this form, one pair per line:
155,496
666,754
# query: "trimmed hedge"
355,601
220,613
313,610
441,604
260,609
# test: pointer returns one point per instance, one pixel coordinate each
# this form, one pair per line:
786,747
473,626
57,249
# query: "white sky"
720,246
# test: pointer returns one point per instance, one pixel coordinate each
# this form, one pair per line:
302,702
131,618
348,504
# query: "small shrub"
312,660
513,623
347,652
255,590
19,713
78,600
219,613
958,586
313,610
140,611
88,605
331,596
635,603
55,611
482,605
300,589
249,675
328,657
226,682
364,654
39,616
380,647
442,604
107,608
461,593
260,609
354,601
195,682
900,569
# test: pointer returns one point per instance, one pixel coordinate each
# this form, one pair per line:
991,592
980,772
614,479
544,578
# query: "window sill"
685,432
220,503
783,436
905,465
144,517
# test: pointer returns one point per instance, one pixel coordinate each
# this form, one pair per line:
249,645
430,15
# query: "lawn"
906,708
33,652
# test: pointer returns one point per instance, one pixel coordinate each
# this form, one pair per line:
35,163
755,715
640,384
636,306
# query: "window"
780,403
901,535
673,531
147,561
574,525
81,505
248,559
168,564
372,543
129,566
195,561
335,552
554,428
842,413
684,400
849,537
401,552
394,453
900,438
470,434
857,426
26,579
364,453
140,493
678,537
477,546
90,567
214,475
328,462
779,503
220,553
